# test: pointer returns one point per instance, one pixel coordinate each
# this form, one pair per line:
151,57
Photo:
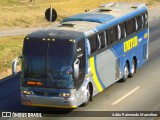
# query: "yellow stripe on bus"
51,106
95,78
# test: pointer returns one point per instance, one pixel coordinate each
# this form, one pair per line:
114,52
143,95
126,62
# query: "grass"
22,13
10,47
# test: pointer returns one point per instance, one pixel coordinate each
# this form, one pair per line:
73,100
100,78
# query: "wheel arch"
90,90
134,57
126,61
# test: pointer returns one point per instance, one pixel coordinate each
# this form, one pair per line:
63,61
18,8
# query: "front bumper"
45,101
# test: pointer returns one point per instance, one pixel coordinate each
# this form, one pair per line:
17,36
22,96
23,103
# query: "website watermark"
81,114
21,115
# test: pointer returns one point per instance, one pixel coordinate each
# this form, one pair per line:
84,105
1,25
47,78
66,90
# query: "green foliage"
10,47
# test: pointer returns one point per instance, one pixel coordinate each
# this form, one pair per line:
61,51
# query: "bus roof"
57,35
100,18
75,26
102,15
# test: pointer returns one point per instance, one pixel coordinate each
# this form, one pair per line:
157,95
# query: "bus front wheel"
87,96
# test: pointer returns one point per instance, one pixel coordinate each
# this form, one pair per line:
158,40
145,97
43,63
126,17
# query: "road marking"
126,95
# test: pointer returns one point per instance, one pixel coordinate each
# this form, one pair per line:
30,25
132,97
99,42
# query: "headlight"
26,92
65,95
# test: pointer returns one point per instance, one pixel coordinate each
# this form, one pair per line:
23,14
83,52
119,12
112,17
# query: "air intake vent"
67,24
105,9
135,7
108,7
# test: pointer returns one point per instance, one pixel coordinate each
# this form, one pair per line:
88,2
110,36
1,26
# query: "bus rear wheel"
133,69
126,73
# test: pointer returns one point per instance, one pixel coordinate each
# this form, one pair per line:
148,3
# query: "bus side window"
119,32
112,35
136,24
105,38
123,31
145,16
101,36
93,43
98,41
139,22
81,53
88,47
130,26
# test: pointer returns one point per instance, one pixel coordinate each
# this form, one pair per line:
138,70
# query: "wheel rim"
126,71
87,95
133,68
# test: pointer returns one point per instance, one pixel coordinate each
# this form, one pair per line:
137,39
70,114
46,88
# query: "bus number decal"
129,44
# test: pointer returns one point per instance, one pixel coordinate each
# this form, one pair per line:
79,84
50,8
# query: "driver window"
81,56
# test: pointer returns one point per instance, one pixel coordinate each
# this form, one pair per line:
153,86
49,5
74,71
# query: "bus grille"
50,94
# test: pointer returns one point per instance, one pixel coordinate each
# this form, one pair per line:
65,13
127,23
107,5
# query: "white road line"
126,95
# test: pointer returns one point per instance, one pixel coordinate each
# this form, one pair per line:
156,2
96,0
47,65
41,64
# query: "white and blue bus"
66,65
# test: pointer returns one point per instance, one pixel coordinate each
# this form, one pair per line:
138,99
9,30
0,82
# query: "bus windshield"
60,57
49,61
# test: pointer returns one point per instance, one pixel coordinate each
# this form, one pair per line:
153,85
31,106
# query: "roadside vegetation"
23,13
10,47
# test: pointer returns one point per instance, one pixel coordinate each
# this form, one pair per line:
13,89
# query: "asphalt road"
140,93
20,31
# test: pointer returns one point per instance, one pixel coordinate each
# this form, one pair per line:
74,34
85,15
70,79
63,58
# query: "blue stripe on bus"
102,84
119,53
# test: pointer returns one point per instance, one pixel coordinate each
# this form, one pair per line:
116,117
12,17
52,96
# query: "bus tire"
133,69
87,97
126,72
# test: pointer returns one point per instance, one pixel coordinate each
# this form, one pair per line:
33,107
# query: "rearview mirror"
76,68
14,65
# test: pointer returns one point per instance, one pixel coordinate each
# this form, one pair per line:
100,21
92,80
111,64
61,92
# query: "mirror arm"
14,64
76,68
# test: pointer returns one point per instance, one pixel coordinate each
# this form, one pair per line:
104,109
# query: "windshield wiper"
50,76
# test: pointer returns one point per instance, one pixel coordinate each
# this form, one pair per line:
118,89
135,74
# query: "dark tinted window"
60,56
139,22
80,47
93,43
112,35
122,30
145,16
130,26
81,53
102,39
35,48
